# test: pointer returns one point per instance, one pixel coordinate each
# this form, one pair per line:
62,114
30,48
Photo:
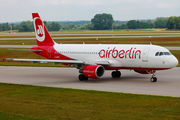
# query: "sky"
73,10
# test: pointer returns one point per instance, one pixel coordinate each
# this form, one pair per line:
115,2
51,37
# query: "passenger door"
145,55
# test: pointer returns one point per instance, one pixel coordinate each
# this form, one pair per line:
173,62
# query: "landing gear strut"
116,74
82,77
153,78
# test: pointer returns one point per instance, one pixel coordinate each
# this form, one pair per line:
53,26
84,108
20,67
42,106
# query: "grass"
176,53
32,102
11,116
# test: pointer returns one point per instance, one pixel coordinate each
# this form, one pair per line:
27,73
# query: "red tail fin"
42,35
3,58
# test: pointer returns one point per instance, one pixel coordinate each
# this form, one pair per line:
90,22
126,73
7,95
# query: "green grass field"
32,102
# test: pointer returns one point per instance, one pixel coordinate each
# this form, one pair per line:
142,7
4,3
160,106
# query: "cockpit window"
157,54
167,53
162,53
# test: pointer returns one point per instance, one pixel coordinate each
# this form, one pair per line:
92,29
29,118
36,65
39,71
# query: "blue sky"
60,10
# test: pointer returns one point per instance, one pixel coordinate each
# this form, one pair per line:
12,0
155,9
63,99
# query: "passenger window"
157,54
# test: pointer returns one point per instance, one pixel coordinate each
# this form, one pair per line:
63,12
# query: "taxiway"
168,83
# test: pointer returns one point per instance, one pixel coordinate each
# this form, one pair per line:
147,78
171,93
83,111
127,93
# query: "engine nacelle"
93,71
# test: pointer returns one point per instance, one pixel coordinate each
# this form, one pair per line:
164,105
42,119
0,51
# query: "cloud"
18,10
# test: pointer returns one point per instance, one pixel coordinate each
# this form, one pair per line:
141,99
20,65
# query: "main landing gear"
82,77
116,74
153,78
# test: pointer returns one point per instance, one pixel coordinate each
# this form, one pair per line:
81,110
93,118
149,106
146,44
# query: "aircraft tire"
113,74
85,78
153,79
118,74
81,77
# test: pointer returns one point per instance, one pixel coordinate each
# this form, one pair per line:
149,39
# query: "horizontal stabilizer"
26,50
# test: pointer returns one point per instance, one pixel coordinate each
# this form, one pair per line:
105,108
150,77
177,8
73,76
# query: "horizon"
77,21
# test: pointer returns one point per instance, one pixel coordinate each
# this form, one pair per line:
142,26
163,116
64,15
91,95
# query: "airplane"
93,59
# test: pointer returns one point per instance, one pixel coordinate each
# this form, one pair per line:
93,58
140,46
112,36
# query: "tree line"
173,23
99,22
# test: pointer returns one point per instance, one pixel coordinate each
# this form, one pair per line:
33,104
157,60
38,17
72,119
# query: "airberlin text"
131,53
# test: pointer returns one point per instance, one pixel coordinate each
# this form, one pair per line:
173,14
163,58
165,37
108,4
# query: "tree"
102,21
86,26
132,24
136,24
53,26
71,26
161,22
26,26
65,27
173,23
46,24
151,24
124,26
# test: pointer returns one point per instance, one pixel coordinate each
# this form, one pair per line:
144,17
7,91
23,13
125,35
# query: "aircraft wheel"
85,78
82,77
153,79
118,74
113,74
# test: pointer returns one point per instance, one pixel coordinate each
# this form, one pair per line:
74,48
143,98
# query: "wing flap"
46,61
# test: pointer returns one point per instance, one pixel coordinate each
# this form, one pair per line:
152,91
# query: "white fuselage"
122,55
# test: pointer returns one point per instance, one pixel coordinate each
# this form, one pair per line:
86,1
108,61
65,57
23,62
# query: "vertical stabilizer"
42,35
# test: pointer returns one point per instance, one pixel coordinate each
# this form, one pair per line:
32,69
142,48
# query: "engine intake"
93,71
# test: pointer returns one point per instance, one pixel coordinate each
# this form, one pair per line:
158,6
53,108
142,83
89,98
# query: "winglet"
3,58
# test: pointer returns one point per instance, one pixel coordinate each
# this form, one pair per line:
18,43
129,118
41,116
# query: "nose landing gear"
153,78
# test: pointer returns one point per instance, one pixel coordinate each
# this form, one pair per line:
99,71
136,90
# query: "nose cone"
174,62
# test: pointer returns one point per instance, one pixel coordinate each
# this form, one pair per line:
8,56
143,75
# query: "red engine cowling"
93,71
142,71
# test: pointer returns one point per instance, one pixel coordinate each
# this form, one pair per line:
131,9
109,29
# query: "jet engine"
93,71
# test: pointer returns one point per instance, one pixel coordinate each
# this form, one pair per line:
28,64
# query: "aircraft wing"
60,61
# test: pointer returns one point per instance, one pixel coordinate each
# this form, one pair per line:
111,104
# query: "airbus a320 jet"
93,59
